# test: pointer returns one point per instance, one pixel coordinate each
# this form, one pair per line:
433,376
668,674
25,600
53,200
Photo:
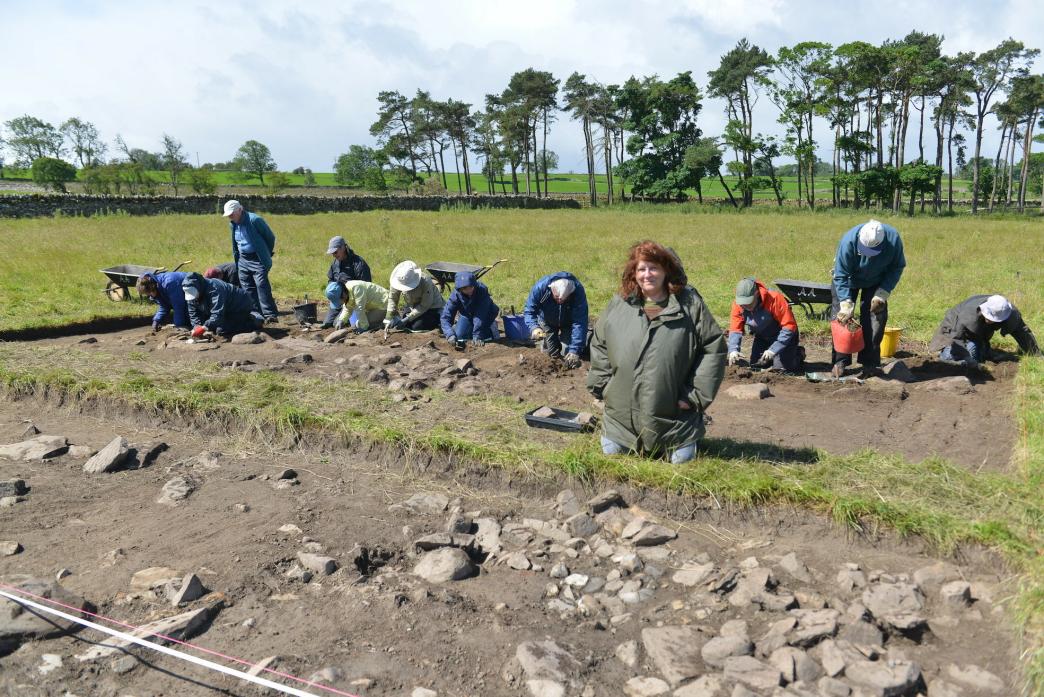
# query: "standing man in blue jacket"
868,266
253,245
470,313
556,313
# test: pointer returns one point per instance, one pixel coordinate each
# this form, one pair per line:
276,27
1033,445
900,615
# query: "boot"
331,317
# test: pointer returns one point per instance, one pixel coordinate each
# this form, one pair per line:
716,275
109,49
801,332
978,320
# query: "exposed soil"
373,628
973,427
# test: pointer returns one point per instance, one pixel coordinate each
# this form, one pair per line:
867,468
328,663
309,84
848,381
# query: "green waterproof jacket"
641,368
364,297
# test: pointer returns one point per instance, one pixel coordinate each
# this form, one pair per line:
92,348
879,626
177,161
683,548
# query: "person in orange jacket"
767,315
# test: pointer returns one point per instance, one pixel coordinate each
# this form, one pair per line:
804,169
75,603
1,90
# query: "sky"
303,77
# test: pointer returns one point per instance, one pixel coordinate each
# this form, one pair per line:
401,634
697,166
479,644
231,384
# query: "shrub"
52,172
202,181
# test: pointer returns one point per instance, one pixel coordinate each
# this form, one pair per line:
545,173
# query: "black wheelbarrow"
444,271
806,295
125,276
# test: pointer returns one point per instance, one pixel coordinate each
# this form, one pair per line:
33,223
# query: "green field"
49,276
560,183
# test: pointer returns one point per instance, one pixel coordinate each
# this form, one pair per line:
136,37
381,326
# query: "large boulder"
20,623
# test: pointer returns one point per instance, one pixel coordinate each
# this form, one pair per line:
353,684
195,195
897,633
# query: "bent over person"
965,333
766,314
164,288
657,359
556,314
253,245
218,307
345,266
867,268
422,298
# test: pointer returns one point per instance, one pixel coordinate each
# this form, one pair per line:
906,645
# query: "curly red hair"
664,257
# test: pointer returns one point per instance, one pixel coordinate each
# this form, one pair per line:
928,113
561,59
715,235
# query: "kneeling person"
556,313
423,300
227,272
367,300
218,307
165,290
768,317
470,313
965,333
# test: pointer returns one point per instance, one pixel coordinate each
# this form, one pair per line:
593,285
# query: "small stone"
247,338
652,535
956,594
586,418
566,503
627,653
832,687
795,665
884,678
693,574
329,674
518,561
153,577
443,565
337,336
645,687
897,604
287,474
30,431
956,384
241,508
975,677
605,500
50,663
718,649
110,458
298,359
795,567
862,633
559,570
935,575
897,370
463,365
176,490
9,548
35,449
426,503
705,686
317,563
675,651
749,392
191,589
290,529
81,452
544,412
576,580
752,672
62,573
124,664
581,525
423,692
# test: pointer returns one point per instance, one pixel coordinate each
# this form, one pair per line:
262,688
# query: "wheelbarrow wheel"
116,292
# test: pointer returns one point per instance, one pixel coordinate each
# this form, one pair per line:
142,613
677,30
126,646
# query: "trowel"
829,377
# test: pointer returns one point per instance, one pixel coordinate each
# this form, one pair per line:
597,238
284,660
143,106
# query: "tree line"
863,101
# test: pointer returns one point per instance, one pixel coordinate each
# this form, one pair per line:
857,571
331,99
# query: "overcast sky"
304,80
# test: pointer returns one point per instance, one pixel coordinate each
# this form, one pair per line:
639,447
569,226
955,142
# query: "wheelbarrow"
444,271
806,295
123,277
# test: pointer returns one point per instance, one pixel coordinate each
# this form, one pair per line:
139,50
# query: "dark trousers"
559,332
790,359
253,278
873,328
428,320
232,324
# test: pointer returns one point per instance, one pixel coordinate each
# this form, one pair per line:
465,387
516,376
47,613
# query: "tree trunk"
937,200
979,115
1027,144
456,163
727,191
880,139
467,168
949,165
543,154
607,146
996,167
589,146
1011,162
699,190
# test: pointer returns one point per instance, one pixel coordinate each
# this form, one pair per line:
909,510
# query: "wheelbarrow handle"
182,264
486,269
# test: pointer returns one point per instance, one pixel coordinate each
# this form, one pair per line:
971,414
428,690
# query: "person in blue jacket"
868,266
470,313
253,245
165,290
218,307
556,313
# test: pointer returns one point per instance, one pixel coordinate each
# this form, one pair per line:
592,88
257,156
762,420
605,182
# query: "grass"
49,276
49,267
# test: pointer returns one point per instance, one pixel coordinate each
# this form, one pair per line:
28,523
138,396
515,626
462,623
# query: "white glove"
877,303
572,360
847,310
387,322
734,357
537,334
767,357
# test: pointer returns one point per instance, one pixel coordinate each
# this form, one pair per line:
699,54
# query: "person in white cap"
867,268
423,300
253,245
965,333
346,266
556,314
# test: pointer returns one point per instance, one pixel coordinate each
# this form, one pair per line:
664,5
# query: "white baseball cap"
562,287
871,235
405,276
191,292
231,207
996,308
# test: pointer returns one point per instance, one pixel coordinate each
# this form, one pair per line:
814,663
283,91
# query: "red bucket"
848,338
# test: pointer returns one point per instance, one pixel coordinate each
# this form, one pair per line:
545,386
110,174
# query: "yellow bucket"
890,342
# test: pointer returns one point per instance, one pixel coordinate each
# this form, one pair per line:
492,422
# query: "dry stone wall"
46,205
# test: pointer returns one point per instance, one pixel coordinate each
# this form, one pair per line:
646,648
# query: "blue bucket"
515,328
354,319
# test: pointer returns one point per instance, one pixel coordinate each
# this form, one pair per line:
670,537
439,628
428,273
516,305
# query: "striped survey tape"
9,593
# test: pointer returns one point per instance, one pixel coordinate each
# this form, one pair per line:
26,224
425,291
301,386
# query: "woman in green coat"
657,359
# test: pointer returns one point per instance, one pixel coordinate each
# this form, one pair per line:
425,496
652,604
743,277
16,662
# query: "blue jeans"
253,278
678,456
967,351
465,328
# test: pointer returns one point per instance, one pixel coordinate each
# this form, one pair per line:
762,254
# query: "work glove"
847,310
877,303
767,357
198,332
537,334
452,338
571,361
734,357
478,342
388,323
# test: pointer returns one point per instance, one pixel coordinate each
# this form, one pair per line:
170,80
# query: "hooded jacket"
964,322
542,310
424,297
353,268
772,320
171,299
229,273
479,306
258,234
643,367
220,306
365,297
852,270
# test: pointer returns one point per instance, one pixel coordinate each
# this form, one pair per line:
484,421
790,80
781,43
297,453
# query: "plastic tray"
563,420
